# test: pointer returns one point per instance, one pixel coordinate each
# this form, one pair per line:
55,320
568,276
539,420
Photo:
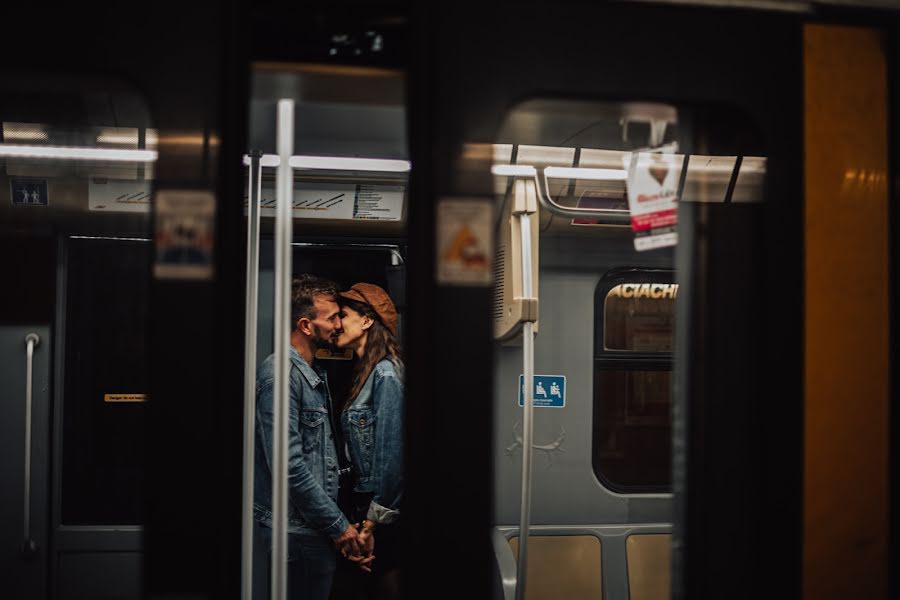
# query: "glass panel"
103,422
632,429
639,317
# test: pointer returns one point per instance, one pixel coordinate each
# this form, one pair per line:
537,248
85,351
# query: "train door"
93,132
26,414
78,167
326,194
553,127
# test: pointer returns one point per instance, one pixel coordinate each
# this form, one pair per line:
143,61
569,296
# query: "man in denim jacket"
315,523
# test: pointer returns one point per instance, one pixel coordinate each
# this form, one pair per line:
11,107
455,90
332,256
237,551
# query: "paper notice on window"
184,234
378,202
653,199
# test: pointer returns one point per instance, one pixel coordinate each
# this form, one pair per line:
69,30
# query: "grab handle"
29,548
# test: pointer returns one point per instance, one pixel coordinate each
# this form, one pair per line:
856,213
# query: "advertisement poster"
465,242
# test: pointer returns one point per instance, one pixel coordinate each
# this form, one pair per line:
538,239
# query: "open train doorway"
326,178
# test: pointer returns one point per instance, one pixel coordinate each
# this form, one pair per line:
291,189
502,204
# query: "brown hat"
377,299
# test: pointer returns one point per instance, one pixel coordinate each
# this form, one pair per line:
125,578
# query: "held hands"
357,544
348,542
367,539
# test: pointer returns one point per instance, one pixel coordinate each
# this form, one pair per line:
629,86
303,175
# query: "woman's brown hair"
380,344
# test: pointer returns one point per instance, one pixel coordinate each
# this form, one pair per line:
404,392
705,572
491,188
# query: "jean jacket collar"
313,376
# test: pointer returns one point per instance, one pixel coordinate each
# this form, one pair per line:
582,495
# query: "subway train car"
642,254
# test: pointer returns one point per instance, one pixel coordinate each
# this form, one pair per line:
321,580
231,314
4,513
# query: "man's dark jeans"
311,565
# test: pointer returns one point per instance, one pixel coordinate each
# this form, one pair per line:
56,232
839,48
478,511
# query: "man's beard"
322,342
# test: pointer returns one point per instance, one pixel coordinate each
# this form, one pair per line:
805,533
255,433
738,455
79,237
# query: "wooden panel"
846,327
649,566
562,566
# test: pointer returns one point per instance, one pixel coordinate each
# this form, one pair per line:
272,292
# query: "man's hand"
348,542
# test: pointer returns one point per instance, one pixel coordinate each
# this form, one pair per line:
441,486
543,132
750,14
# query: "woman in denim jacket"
372,419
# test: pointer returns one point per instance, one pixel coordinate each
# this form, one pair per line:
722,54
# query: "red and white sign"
653,199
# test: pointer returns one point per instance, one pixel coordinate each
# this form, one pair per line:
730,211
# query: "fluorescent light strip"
73,153
513,170
25,135
582,173
266,160
339,163
104,237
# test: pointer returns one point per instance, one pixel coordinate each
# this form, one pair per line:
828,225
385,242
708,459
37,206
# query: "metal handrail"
392,249
524,208
250,319
29,547
606,216
284,193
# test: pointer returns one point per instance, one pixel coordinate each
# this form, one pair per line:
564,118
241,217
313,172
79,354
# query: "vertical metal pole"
527,411
254,192
283,234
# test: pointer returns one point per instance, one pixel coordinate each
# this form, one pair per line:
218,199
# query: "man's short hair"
304,289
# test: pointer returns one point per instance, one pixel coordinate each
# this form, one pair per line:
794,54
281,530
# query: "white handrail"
250,319
283,234
31,342
524,208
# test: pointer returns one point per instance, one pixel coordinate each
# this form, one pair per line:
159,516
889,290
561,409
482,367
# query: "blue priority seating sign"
549,391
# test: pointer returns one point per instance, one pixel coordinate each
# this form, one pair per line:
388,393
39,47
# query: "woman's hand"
366,542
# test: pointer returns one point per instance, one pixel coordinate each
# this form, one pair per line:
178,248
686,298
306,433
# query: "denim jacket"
373,427
312,458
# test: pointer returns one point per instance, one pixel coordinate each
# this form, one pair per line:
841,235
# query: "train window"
638,317
105,382
634,320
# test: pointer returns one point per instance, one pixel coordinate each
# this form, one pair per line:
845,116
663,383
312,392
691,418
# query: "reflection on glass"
639,317
632,446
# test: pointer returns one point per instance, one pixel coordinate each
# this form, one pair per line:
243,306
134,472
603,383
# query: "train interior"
603,350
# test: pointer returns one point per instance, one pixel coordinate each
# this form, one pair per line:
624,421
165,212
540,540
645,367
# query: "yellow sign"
645,290
124,397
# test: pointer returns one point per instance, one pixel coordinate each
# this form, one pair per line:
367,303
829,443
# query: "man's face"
327,324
